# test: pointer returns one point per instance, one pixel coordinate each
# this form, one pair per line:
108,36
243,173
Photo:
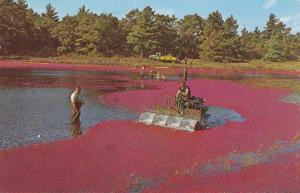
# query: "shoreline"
167,69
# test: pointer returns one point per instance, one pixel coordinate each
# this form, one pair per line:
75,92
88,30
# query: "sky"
249,13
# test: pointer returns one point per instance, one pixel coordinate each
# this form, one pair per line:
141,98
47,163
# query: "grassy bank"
196,63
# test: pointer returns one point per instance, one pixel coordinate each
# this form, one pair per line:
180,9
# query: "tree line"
141,32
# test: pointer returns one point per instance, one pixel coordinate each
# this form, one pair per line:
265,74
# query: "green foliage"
296,43
270,26
107,35
142,32
66,35
279,41
143,36
51,14
14,26
23,31
47,24
251,44
220,39
165,30
213,36
190,30
231,45
85,42
125,27
275,51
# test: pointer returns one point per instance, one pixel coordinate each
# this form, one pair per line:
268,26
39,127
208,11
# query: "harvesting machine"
186,114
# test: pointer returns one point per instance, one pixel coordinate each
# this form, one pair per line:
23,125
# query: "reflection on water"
106,81
34,115
35,106
75,129
294,98
218,116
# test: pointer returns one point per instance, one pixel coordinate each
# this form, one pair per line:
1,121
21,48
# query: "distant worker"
142,72
153,74
183,94
160,75
185,73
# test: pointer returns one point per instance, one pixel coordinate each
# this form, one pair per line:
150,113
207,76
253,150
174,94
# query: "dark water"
293,98
103,81
217,116
33,115
35,104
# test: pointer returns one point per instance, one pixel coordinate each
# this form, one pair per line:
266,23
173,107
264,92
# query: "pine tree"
231,45
190,30
83,11
270,26
107,31
21,40
6,25
23,31
251,44
51,13
274,49
213,36
86,33
48,22
143,36
16,27
130,20
66,34
296,43
166,33
125,27
278,40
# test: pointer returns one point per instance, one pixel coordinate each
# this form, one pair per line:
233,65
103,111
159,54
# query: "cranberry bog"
259,153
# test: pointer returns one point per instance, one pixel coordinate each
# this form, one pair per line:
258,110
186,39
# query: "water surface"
35,105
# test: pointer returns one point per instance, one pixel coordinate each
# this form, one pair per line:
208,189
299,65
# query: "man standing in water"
76,104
